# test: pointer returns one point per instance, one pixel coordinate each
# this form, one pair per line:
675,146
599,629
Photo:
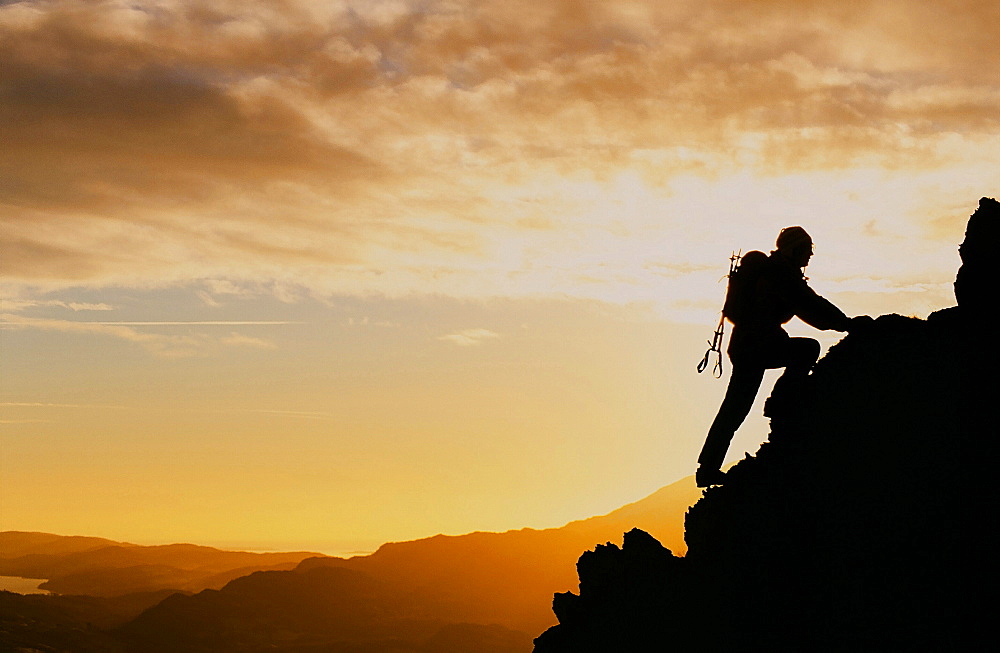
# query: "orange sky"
327,274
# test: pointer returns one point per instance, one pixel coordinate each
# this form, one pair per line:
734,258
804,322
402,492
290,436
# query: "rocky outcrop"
860,525
975,285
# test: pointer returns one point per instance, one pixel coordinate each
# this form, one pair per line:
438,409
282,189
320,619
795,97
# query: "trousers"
796,355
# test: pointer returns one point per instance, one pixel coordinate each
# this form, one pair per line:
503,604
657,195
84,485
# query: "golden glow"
364,270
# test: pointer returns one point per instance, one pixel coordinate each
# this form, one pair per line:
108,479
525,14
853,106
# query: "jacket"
780,293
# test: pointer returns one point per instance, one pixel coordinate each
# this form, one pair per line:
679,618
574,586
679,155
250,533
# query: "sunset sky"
324,274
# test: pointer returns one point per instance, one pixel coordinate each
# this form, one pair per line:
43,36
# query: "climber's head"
795,245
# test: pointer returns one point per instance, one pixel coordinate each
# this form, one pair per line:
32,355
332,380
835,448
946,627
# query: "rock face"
975,285
860,525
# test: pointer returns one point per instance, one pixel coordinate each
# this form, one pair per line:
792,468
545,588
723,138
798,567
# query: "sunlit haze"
325,274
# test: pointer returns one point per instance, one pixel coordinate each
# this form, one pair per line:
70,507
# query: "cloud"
406,147
172,346
40,404
237,340
470,337
159,344
17,305
197,323
207,299
13,407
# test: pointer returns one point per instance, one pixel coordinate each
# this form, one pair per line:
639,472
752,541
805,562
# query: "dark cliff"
861,525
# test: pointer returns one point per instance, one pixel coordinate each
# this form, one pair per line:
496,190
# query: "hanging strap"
714,345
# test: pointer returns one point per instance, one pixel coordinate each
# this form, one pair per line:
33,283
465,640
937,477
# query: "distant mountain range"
474,593
97,567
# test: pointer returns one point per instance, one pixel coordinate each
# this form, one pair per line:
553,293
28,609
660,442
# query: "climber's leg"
797,356
743,386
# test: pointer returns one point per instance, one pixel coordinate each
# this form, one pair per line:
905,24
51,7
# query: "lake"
22,585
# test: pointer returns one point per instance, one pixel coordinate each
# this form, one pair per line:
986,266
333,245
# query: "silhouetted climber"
770,291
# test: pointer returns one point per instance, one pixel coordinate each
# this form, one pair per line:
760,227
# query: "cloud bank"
475,148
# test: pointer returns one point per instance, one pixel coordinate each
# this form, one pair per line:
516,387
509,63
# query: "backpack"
744,273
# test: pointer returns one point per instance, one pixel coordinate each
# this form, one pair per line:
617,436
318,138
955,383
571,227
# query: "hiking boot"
706,477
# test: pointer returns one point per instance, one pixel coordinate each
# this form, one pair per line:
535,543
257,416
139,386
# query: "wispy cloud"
196,323
160,344
17,305
41,404
238,340
207,299
470,337
45,407
367,321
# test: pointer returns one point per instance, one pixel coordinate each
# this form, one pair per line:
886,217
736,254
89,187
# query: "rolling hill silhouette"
98,567
15,544
862,525
479,592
